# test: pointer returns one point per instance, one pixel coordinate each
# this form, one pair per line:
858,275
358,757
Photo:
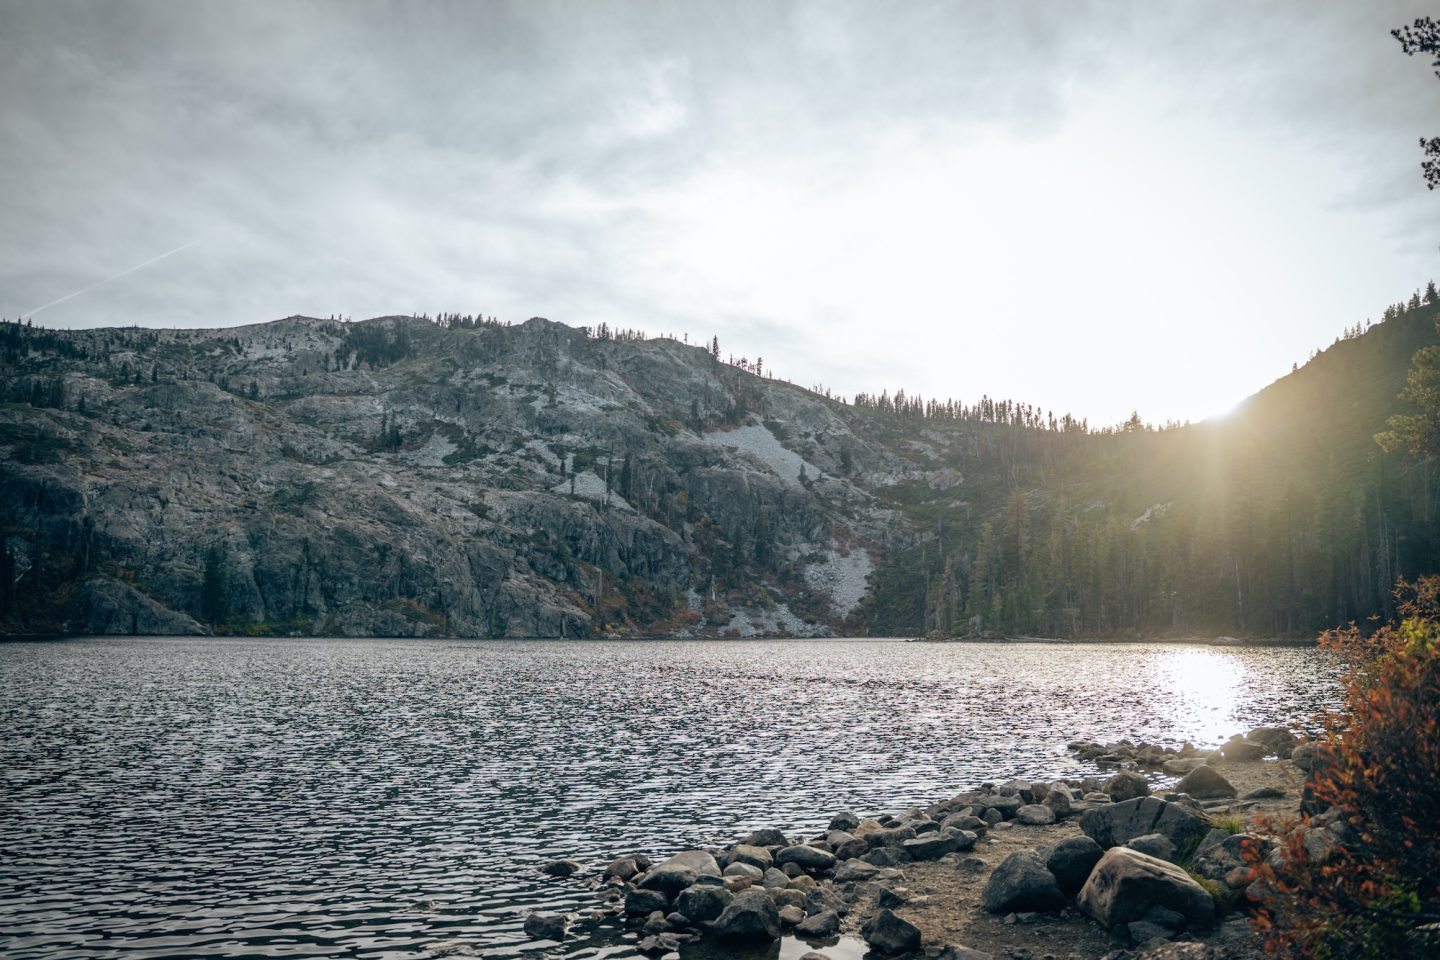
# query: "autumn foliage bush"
1378,775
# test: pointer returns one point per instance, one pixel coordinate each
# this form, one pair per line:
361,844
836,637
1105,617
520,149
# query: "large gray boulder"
769,837
889,935
1243,751
1117,823
1022,883
1125,884
680,871
751,916
1071,861
1059,799
1205,783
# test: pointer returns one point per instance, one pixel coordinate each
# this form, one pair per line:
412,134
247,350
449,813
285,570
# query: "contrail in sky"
108,279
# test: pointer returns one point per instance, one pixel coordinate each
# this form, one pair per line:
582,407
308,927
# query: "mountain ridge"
402,477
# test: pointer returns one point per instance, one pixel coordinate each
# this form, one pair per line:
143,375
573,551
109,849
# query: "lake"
179,797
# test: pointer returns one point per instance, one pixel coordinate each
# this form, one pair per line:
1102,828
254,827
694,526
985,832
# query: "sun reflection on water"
1206,686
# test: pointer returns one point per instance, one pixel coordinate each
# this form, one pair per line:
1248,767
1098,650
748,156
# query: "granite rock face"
398,478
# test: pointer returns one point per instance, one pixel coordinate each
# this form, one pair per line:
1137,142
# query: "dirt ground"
945,900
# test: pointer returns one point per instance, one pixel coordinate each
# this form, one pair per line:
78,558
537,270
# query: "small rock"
971,865
546,926
1205,783
844,820
677,921
750,916
1021,882
736,884
1180,766
803,883
889,935
791,915
884,857
660,943
1143,931
1035,815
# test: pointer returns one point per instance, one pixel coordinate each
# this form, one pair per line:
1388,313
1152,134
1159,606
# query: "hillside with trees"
462,476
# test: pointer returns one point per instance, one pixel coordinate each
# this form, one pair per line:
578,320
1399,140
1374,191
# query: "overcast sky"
1093,207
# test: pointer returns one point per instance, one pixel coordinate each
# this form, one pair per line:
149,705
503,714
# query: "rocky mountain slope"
404,477
396,477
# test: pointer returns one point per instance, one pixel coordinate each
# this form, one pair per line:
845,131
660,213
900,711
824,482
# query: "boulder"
851,849
1117,823
703,902
1127,785
826,923
1022,883
561,868
1222,853
680,871
791,915
889,935
1126,883
751,916
546,926
1071,861
1059,799
885,857
1205,783
806,857
844,820
1035,815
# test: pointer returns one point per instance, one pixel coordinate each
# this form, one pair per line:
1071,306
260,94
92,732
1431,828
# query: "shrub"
1379,773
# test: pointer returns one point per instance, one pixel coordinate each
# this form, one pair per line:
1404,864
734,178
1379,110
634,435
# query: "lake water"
393,798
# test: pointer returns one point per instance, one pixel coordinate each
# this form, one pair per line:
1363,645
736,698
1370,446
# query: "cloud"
1019,199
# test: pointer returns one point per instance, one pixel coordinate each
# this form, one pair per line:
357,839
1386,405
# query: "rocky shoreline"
1100,866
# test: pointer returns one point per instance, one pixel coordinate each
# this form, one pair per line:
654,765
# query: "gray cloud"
571,159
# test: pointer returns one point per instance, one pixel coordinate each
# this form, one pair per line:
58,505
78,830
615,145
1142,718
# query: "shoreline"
958,879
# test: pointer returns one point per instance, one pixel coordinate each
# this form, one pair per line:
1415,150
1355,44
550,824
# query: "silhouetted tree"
1423,36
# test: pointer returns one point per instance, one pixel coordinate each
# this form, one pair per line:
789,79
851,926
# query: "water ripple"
206,798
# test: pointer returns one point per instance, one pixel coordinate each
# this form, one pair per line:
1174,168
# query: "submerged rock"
546,926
